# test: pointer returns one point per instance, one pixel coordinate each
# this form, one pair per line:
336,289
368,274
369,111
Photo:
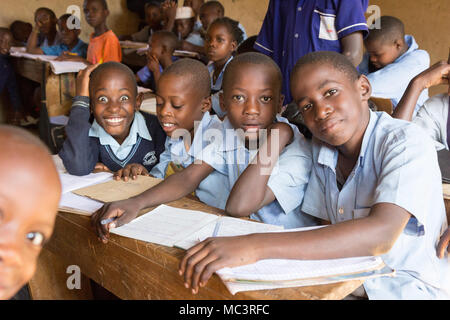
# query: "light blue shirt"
175,151
139,127
80,49
287,181
195,38
397,165
391,81
216,87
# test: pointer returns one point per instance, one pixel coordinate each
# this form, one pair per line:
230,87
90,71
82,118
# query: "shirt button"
299,8
341,210
296,35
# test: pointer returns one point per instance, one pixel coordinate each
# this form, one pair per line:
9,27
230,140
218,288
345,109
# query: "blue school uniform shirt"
287,180
209,189
147,77
217,87
391,81
293,28
80,49
398,165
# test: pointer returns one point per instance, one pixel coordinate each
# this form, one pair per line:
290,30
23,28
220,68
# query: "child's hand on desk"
83,80
100,167
212,254
443,244
113,215
131,170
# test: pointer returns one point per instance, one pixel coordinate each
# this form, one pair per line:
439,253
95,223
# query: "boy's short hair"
334,59
116,66
48,10
169,39
215,5
103,3
66,16
232,26
391,29
193,69
252,58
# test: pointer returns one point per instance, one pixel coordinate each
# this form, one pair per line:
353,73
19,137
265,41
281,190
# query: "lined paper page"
228,227
165,225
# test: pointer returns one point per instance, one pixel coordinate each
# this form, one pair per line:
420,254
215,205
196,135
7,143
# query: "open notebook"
175,227
57,67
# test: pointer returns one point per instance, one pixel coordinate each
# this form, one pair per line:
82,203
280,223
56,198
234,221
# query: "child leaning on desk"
70,43
364,181
26,222
120,139
252,95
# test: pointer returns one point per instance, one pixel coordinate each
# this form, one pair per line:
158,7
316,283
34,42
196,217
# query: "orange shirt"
104,48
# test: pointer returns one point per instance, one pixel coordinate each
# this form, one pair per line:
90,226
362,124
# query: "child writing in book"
120,138
364,181
45,28
222,40
392,60
162,44
252,97
70,43
26,222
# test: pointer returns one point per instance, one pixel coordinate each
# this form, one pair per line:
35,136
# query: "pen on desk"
216,228
106,221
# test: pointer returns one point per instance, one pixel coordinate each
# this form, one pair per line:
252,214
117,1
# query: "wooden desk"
57,91
383,105
133,269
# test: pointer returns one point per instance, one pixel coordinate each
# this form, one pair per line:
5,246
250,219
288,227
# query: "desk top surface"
133,269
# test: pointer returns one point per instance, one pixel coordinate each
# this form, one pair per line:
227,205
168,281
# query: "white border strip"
258,44
353,25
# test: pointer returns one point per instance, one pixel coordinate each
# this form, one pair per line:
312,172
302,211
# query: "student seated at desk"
392,60
70,43
364,181
120,139
26,222
184,28
221,42
45,28
212,10
153,18
20,30
162,44
434,115
8,76
252,95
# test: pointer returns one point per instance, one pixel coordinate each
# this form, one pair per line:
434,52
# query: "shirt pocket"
324,30
361,213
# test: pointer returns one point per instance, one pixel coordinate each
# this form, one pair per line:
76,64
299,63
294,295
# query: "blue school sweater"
80,152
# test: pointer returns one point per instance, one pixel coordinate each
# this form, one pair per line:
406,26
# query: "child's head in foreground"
29,197
162,43
47,18
6,39
96,12
386,44
210,11
183,95
69,36
332,97
252,93
113,98
222,39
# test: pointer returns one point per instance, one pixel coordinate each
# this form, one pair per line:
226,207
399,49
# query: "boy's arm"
436,75
32,42
353,47
174,187
78,154
256,175
380,229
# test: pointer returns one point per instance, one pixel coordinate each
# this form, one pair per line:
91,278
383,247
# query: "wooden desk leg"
50,281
